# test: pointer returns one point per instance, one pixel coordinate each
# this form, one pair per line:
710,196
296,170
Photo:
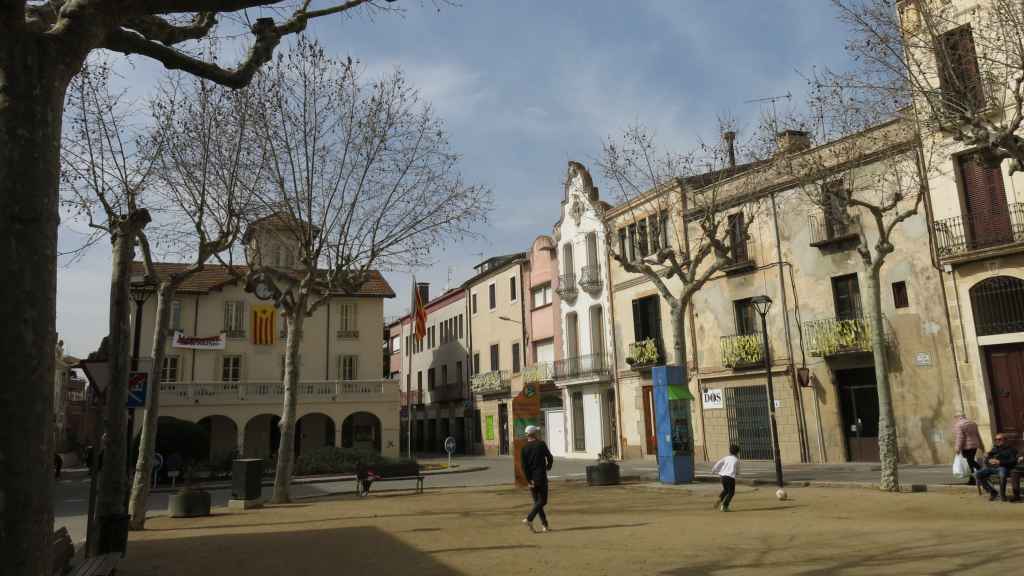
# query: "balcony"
742,350
493,382
826,231
835,336
590,278
739,260
413,395
970,232
644,354
542,372
567,286
262,392
591,365
454,392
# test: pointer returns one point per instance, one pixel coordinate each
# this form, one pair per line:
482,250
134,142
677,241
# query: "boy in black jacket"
537,460
999,461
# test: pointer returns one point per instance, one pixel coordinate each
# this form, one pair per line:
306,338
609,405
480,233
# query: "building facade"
225,366
584,373
545,338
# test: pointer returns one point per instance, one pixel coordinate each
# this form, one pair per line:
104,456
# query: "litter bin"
113,533
246,479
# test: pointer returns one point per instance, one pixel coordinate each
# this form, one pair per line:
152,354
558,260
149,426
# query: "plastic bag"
961,469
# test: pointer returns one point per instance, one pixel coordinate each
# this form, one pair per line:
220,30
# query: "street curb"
321,479
904,488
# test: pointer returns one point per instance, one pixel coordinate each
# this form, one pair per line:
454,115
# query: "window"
579,430
494,357
622,243
592,249
396,344
461,334
641,237
631,244
515,358
347,320
647,319
846,294
900,299
987,217
476,363
408,349
492,300
959,77
175,315
430,379
349,368
234,318
444,375
656,230
231,369
473,298
572,343
512,289
541,296
419,385
597,335
169,372
746,316
458,371
737,238
834,207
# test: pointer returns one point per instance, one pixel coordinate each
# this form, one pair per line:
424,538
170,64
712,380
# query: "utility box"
672,409
247,479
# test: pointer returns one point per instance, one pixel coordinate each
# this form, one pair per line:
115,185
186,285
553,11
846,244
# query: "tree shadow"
602,527
358,550
766,508
483,548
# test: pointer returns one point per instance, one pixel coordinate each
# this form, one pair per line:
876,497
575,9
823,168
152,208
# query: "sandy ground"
631,530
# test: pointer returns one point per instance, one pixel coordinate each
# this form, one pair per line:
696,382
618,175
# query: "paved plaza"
635,529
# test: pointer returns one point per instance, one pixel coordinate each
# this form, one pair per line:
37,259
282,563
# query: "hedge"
334,460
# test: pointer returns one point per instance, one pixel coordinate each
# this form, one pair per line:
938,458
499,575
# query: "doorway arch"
361,430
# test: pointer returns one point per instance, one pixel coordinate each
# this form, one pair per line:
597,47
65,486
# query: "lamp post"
98,373
139,294
762,304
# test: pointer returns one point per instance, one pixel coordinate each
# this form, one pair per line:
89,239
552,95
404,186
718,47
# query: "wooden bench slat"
97,566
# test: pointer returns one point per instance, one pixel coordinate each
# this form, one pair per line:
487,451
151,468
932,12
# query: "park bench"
102,565
393,473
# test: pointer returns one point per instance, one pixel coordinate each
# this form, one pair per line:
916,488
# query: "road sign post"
449,447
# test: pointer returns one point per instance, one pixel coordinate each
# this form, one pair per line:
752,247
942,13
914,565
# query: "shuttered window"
175,315
737,238
234,318
958,70
987,215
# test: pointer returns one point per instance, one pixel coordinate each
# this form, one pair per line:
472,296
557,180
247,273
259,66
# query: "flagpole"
408,375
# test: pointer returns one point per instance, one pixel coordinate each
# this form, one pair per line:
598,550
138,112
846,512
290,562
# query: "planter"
603,474
188,504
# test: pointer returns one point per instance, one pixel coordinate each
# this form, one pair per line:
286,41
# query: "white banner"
198,342
713,399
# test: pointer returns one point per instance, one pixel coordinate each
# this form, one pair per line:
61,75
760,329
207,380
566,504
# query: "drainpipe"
803,359
327,361
797,395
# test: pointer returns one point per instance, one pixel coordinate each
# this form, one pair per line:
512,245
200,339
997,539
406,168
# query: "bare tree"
685,219
43,46
206,174
868,180
105,170
962,70
360,178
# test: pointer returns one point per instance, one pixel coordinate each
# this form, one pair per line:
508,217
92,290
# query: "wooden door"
503,428
987,214
1006,382
858,402
650,427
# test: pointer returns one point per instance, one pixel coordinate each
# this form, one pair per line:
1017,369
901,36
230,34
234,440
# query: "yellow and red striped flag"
263,325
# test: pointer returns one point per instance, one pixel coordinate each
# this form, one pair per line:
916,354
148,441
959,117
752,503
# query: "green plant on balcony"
643,353
850,335
742,350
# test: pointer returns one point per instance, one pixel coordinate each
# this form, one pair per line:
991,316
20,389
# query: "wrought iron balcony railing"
567,286
644,354
493,382
742,350
970,232
590,278
540,372
827,230
834,336
256,392
582,366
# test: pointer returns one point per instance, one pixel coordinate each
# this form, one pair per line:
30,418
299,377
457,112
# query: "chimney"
424,290
792,141
730,146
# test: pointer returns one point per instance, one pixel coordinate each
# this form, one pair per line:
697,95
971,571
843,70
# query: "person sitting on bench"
999,461
1015,475
366,476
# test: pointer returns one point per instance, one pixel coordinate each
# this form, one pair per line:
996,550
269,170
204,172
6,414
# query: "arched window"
998,305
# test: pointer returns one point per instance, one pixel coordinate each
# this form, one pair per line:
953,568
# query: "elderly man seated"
999,461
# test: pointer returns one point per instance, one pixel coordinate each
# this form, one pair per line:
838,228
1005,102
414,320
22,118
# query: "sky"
525,86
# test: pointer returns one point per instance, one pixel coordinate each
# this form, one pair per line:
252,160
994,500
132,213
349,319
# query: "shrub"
186,439
334,460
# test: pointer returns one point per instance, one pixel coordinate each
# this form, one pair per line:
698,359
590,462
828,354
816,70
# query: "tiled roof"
216,276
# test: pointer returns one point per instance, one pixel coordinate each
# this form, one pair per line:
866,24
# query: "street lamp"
762,304
139,294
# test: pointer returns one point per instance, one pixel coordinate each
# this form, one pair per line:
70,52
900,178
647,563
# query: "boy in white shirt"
727,468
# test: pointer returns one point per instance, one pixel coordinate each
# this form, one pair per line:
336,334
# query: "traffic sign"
449,444
137,389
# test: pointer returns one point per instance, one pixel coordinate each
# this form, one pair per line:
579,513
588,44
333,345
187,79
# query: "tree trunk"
32,88
286,448
112,481
887,442
678,355
147,442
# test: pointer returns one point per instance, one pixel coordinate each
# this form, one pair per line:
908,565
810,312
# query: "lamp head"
140,292
761,303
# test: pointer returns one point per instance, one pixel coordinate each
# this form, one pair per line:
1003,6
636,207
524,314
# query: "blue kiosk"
672,418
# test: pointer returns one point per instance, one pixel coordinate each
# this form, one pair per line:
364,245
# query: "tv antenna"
771,100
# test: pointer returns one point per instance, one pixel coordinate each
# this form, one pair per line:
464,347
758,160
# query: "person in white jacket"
727,469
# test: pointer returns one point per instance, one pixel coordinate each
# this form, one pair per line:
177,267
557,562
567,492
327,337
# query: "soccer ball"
781,494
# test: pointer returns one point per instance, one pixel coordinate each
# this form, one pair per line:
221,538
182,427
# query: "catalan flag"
419,312
263,325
